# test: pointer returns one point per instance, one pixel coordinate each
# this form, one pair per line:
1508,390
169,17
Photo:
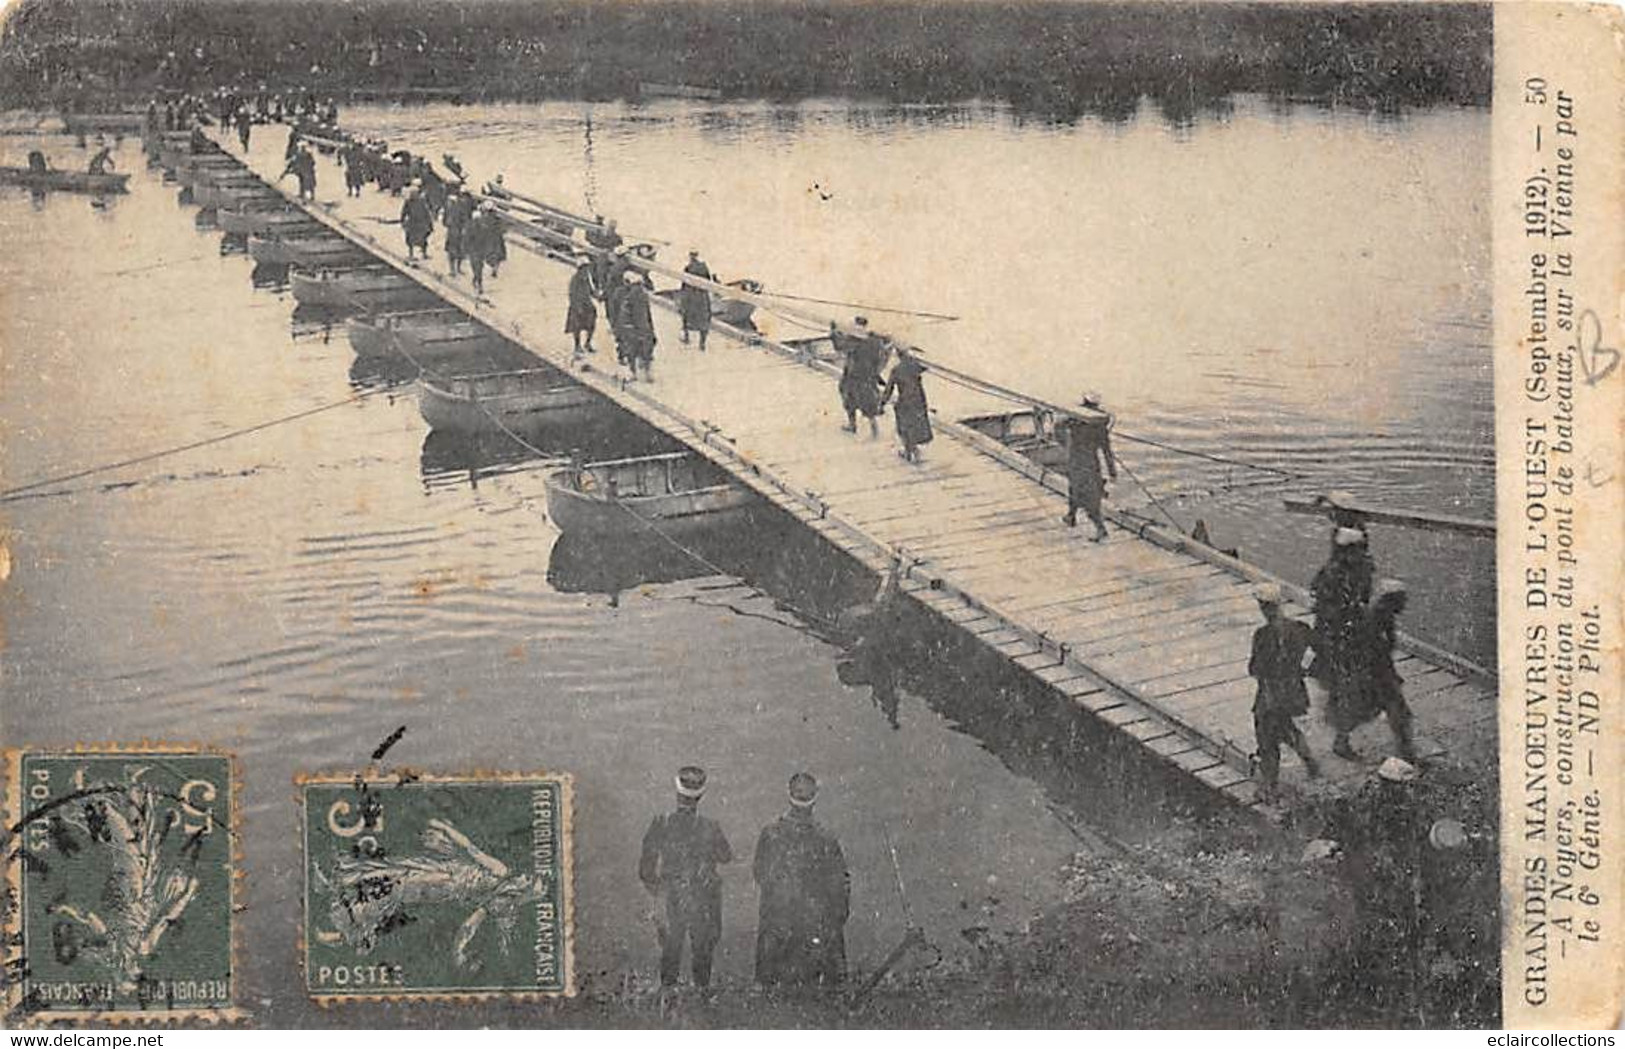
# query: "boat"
309,249
337,287
501,401
373,335
430,344
93,123
656,90
736,311
205,195
733,312
674,494
321,250
73,181
1027,431
277,219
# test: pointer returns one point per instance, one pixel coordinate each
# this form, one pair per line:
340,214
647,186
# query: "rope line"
10,494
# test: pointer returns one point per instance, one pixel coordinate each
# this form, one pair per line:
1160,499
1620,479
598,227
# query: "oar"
861,306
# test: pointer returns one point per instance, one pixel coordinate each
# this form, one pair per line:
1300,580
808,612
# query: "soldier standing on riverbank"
806,890
681,853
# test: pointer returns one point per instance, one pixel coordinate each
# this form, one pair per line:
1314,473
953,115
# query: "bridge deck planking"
1125,609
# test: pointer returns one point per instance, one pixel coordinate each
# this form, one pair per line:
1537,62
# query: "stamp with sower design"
121,867
437,886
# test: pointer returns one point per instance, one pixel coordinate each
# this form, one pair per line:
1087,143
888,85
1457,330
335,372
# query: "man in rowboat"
103,160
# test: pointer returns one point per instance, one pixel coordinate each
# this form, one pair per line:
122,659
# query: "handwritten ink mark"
383,748
1592,350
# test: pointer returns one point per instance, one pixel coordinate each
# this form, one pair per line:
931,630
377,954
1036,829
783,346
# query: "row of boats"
470,379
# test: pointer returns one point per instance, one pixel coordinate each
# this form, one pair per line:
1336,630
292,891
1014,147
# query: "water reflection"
582,565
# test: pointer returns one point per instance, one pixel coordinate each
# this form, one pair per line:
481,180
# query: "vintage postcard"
121,884
1052,514
437,887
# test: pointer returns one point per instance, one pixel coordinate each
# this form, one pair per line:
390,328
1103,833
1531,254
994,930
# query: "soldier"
863,356
482,240
805,897
417,222
635,327
694,304
681,852
455,216
1279,647
1088,444
582,316
1340,591
912,414
245,125
1372,645
302,165
103,160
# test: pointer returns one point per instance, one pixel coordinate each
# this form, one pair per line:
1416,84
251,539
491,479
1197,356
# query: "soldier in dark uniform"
417,222
102,160
245,126
913,415
681,852
302,165
1382,689
1276,663
635,328
602,235
805,889
863,355
582,316
458,210
695,303
1340,591
482,240
1088,445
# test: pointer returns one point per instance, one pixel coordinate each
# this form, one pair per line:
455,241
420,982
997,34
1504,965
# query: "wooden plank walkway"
1147,631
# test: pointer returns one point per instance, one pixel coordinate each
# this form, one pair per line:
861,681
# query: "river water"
1284,285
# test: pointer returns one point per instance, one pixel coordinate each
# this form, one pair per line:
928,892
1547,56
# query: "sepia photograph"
775,514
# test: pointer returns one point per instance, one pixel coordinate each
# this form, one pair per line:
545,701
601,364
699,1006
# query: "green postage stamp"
437,887
121,870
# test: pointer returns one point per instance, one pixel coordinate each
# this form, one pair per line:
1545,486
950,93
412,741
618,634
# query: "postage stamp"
121,877
437,886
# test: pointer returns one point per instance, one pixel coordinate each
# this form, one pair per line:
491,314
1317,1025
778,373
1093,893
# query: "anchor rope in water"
10,494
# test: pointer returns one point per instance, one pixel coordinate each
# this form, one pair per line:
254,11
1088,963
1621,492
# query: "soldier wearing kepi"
1088,444
1277,664
681,852
694,304
806,890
